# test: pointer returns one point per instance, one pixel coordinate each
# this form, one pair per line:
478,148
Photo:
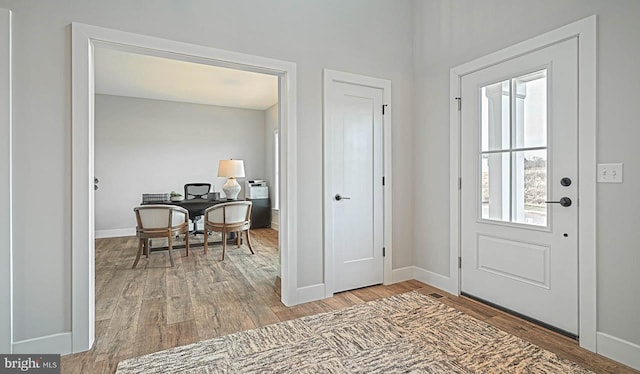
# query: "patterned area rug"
409,332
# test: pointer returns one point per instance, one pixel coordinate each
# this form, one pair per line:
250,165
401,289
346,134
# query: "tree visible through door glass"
513,156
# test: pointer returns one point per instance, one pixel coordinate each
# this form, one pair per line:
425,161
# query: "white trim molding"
618,349
275,219
425,276
585,32
50,344
115,233
402,274
435,280
385,86
310,293
6,229
84,39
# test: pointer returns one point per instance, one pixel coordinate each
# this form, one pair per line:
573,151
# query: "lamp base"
231,189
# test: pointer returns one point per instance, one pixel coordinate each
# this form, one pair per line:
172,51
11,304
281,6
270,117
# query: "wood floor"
154,307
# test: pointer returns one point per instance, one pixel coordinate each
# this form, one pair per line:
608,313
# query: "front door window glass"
513,152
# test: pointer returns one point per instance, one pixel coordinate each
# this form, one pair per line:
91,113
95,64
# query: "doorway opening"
160,124
86,39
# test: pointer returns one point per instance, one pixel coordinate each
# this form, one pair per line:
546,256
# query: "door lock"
564,201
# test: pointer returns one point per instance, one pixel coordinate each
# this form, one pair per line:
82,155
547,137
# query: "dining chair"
160,221
228,217
196,191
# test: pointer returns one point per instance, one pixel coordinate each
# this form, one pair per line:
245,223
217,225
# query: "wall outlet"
610,173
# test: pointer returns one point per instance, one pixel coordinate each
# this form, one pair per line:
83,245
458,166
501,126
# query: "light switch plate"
610,173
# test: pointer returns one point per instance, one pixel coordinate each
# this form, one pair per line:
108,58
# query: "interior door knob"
564,201
339,197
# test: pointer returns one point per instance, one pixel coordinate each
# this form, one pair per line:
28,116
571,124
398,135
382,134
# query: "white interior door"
519,151
354,143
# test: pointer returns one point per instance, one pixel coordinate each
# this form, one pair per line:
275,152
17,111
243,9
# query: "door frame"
329,253
84,39
585,32
6,225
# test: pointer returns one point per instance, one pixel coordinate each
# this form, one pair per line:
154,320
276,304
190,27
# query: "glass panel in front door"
513,153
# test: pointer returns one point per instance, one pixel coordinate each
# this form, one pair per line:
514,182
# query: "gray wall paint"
370,37
153,146
449,33
5,180
270,125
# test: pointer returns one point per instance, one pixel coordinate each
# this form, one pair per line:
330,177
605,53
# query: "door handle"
339,197
564,201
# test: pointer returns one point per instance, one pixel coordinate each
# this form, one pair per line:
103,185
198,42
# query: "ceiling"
134,75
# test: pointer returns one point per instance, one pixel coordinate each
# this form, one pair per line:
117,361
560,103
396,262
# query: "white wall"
154,146
5,179
370,37
270,125
449,33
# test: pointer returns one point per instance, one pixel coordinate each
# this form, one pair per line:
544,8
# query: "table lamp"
231,169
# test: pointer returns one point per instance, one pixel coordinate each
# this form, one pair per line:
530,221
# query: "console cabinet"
260,213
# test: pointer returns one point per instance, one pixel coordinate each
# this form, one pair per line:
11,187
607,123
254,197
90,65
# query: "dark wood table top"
196,207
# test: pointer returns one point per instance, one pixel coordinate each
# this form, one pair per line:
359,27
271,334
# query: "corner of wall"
425,276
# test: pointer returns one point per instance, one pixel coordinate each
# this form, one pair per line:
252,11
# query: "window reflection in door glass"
513,156
495,186
496,129
531,110
530,187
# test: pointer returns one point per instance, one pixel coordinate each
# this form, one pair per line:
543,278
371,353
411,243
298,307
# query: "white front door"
519,153
354,171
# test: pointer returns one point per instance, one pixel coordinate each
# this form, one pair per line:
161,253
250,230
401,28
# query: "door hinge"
383,181
459,183
459,103
384,251
459,262
383,108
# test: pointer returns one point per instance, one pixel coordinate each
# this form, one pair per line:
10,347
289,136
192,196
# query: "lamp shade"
231,168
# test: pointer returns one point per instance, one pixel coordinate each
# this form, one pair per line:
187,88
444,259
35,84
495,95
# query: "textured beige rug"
409,332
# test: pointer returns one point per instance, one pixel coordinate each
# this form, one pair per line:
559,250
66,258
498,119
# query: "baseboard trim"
116,233
402,274
310,293
50,344
275,219
434,279
618,349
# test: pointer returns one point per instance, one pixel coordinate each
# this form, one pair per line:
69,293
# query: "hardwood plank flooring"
154,306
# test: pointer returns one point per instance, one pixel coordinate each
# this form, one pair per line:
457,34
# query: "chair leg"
206,240
146,247
170,250
135,263
224,244
186,242
238,238
249,242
